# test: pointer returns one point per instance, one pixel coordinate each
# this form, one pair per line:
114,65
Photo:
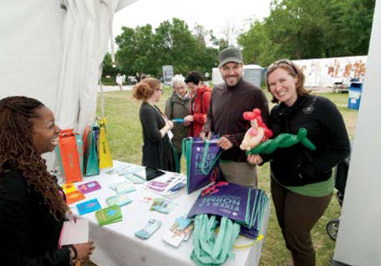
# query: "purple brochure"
89,187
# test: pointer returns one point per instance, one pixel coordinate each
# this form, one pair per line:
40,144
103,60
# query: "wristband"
74,250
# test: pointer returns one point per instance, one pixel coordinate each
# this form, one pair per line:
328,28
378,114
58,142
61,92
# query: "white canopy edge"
53,53
359,238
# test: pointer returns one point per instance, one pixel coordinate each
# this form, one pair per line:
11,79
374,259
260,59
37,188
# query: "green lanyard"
208,250
258,213
203,160
186,147
265,199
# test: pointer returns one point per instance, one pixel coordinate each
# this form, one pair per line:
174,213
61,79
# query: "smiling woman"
45,131
32,206
301,181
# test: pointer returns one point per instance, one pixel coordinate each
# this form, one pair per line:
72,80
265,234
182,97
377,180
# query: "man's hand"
205,135
224,143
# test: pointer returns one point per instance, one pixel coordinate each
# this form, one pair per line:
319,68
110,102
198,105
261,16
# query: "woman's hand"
254,159
84,250
170,124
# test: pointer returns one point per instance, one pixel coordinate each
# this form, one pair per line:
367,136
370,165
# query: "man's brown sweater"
227,105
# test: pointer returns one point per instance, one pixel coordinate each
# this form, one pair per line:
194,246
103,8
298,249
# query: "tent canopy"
52,51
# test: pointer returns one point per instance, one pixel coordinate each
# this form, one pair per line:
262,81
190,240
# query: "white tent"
359,238
52,51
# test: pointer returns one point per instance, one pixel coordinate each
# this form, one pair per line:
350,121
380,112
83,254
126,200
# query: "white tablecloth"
117,245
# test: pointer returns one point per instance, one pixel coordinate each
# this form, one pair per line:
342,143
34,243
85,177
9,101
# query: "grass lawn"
125,139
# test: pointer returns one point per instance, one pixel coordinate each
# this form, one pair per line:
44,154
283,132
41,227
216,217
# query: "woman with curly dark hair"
32,206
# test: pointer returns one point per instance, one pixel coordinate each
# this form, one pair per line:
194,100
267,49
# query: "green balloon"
282,141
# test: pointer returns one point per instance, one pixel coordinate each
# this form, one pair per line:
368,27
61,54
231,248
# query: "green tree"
137,52
302,29
258,48
205,57
356,25
220,43
299,26
126,54
108,68
146,55
176,45
143,50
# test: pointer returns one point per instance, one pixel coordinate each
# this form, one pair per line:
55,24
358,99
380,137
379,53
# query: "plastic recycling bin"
354,95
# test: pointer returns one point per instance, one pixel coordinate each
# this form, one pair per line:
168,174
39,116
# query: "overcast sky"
212,14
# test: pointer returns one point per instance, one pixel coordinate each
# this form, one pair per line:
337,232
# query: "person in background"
119,81
301,180
177,107
32,205
158,151
200,95
228,102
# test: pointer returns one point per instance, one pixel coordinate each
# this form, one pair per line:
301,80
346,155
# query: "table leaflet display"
121,203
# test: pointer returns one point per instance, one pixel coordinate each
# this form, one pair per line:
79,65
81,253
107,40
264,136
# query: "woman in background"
158,151
199,104
301,179
32,206
177,107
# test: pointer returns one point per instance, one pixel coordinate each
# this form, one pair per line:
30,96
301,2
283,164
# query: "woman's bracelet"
74,251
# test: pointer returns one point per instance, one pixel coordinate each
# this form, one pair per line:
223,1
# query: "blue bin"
354,96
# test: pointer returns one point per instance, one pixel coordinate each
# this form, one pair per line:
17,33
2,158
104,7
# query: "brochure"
67,188
168,185
75,231
123,168
163,205
179,231
88,206
123,187
109,215
133,178
89,187
74,196
119,200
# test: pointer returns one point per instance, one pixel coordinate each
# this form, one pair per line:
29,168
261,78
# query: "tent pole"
101,87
